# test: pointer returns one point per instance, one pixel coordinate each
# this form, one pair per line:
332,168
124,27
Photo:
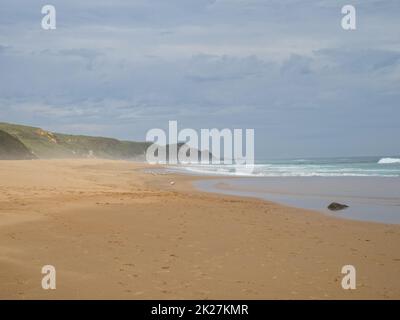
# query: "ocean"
313,167
370,186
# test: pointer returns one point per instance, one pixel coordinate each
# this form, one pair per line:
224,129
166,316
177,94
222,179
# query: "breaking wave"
292,170
389,160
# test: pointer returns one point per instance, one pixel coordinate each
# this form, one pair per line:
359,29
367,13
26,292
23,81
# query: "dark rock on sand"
334,206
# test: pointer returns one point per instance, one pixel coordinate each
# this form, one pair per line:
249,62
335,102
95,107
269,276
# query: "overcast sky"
285,68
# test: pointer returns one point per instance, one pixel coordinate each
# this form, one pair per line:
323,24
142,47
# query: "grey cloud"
297,64
285,68
220,68
3,48
361,60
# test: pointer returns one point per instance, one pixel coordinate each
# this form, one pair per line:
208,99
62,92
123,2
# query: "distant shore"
115,229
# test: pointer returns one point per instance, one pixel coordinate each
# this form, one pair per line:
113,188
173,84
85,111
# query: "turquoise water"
320,167
369,185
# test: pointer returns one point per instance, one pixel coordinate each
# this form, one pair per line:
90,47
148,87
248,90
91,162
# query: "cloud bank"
285,68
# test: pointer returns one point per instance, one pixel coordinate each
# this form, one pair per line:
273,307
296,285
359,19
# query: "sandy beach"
113,230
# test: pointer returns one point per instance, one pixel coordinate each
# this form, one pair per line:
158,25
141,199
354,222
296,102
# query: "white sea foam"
389,160
274,170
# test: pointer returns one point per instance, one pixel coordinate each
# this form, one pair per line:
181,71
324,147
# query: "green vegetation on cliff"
49,145
13,149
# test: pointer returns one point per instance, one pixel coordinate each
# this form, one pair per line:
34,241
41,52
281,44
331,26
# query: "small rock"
172,183
334,206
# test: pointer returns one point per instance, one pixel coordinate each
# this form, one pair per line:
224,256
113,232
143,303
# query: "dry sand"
114,231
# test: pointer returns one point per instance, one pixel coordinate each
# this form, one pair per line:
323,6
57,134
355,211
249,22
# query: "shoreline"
373,199
113,231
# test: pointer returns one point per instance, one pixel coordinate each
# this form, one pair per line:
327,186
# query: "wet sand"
115,231
375,199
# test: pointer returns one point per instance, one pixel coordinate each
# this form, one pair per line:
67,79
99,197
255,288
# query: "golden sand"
114,231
